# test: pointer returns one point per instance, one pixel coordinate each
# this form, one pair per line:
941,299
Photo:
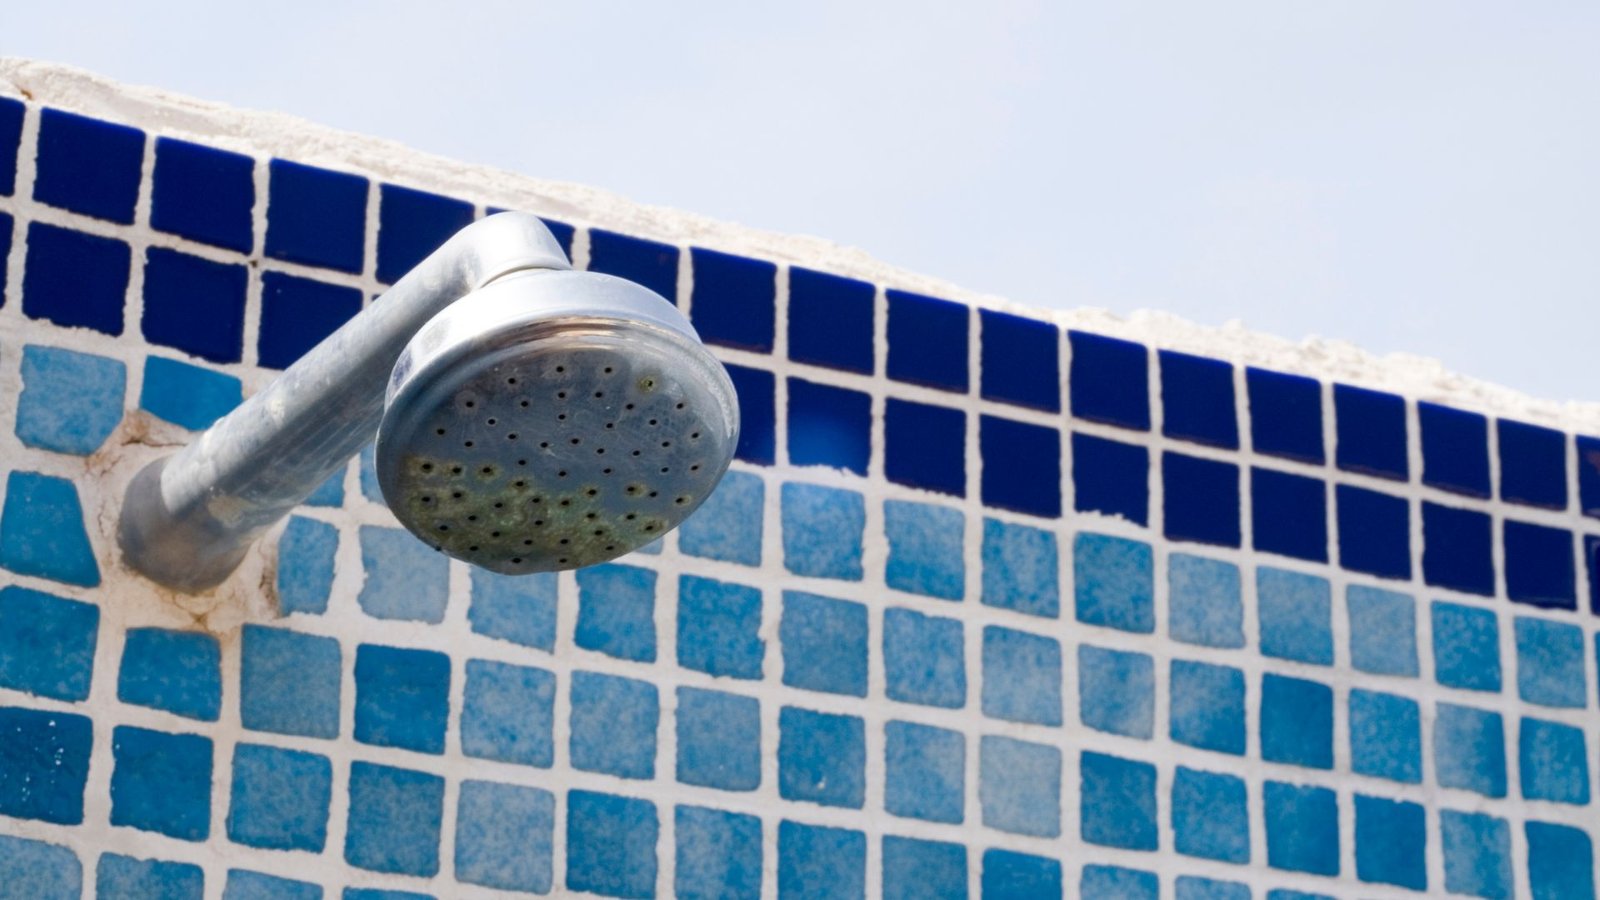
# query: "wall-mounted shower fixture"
535,418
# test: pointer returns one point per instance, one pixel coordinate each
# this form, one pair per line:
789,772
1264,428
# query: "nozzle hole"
516,560
455,470
467,444
427,467
577,441
439,431
608,370
470,404
523,404
561,417
492,422
561,368
679,406
444,527
591,492
511,435
511,380
561,395
455,495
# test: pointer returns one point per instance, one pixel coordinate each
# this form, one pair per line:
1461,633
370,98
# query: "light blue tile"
330,493
824,644
394,818
1477,854
1385,736
1383,631
822,531
1296,613
1019,786
611,844
616,611
289,682
305,565
1020,569
718,855
1021,676
923,870
1114,584
728,525
1204,603
127,878
719,626
243,884
516,608
614,723
70,401
821,757
1116,691
187,395
719,740
178,671
508,713
924,659
405,578
1210,816
47,644
42,532
39,871
924,772
925,549
1554,761
279,798
1117,802
504,835
1116,883
1550,663
818,863
1466,647
402,697
1190,887
1208,706
1469,749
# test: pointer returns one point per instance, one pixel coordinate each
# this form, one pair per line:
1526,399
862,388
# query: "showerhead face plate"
556,442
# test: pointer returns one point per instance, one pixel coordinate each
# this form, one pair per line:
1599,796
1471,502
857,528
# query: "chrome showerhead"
553,420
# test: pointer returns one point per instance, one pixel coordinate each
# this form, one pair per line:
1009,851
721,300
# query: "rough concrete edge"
277,134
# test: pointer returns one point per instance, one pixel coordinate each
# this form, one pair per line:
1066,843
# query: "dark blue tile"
394,820
1477,854
316,217
504,836
719,628
1466,647
411,225
718,855
1457,549
44,763
614,722
1021,676
187,395
47,644
928,870
1021,361
1208,706
126,878
1285,415
203,194
42,530
161,782
1533,464
616,611
1370,432
1008,875
508,713
925,446
1469,749
1210,816
297,313
11,112
734,301
1391,842
611,845
924,771
1296,722
819,863
1197,402
1560,862
1374,532
1110,477
1553,760
1539,566
757,390
1289,515
1200,500
1302,828
1455,449
644,262
178,671
719,740
830,321
923,659
1109,381
6,226
829,426
1588,467
1019,786
194,305
821,758
39,871
289,682
75,280
516,608
1021,466
88,166
279,798
1591,563
1118,802
928,341
1385,736
561,231
824,644
402,697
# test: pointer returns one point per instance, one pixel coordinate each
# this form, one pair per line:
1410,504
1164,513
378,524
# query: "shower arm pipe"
188,519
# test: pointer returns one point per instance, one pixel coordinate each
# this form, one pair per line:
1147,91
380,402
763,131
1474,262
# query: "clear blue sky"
1417,176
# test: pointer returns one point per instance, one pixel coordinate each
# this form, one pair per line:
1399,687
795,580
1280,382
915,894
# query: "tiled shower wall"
984,608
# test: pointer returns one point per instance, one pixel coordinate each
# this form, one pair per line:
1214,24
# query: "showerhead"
552,420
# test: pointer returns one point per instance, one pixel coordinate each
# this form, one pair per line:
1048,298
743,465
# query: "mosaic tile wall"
983,609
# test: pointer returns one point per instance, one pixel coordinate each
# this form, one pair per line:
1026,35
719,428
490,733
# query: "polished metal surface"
188,519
